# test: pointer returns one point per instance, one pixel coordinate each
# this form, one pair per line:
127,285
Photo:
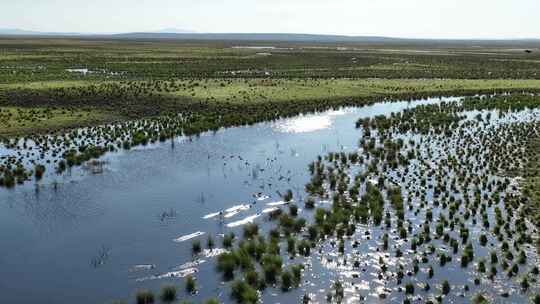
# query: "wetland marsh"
275,183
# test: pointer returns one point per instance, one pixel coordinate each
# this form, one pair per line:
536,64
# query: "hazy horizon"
483,19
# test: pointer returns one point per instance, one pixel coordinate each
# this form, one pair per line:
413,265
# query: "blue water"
75,237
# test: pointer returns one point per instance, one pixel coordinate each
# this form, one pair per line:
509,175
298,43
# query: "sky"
393,18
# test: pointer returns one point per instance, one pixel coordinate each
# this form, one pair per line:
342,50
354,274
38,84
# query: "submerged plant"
168,294
191,287
144,297
243,293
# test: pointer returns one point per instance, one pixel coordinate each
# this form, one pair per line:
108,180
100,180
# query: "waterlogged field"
393,202
217,172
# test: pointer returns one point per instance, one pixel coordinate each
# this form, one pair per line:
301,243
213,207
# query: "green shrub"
168,294
191,286
243,293
144,297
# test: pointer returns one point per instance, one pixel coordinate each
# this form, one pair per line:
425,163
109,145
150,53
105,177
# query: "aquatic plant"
251,230
226,263
144,297
288,196
479,299
445,287
339,291
271,265
39,170
228,240
254,280
196,247
286,280
168,294
191,286
293,210
243,293
309,203
210,243
409,288
304,247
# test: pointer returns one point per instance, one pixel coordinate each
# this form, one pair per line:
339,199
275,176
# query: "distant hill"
16,32
255,37
174,31
315,38
181,34
19,32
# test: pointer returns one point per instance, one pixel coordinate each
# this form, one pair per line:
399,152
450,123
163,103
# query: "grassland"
49,59
84,82
17,121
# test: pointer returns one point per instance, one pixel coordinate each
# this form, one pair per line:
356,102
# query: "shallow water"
92,238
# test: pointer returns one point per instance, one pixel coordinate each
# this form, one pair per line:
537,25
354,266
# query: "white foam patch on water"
231,214
227,213
211,215
170,275
245,221
188,237
189,265
280,203
269,210
142,267
210,253
238,208
235,210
